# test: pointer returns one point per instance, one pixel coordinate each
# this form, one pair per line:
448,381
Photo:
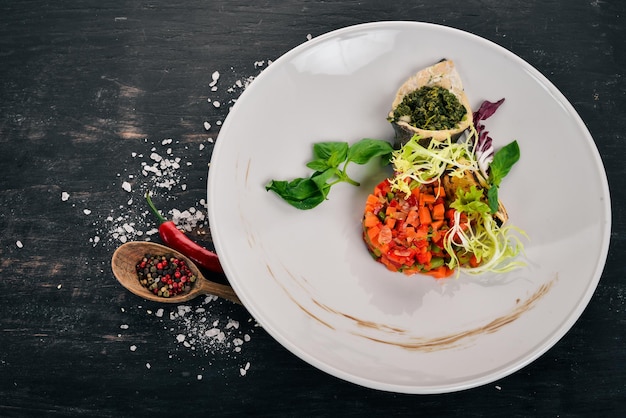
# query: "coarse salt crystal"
156,157
216,103
124,326
232,324
180,338
148,365
19,244
65,196
159,313
207,125
133,348
126,186
86,211
244,370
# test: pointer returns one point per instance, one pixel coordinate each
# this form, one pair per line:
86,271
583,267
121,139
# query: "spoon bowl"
126,257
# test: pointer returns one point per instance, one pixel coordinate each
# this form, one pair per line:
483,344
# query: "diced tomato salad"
406,233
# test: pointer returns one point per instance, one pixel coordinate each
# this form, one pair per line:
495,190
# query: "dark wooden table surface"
93,93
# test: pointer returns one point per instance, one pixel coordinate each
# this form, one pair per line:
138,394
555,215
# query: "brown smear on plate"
432,343
453,340
306,311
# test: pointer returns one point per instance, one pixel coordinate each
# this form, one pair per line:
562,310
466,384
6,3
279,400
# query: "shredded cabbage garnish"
493,246
427,164
476,233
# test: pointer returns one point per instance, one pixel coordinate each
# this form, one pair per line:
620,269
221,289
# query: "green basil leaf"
502,162
301,193
333,152
318,165
321,178
492,198
363,151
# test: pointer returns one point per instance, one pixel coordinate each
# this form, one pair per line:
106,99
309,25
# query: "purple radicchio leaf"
484,145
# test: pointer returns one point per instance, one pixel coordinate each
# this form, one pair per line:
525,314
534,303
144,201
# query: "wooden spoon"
126,257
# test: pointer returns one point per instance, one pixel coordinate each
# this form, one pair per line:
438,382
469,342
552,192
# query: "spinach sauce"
431,108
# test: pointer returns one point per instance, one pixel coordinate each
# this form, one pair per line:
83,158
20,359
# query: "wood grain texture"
89,90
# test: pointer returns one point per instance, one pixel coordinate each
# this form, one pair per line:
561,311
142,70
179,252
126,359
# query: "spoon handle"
218,289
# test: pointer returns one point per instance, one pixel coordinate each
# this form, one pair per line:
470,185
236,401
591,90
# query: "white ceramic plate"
306,275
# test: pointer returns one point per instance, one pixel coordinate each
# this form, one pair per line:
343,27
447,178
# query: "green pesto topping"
432,108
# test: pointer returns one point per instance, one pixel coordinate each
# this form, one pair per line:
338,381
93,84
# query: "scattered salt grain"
309,37
148,366
126,186
244,369
65,196
180,338
199,377
216,104
214,77
159,313
201,147
124,326
207,126
19,244
86,211
133,348
59,286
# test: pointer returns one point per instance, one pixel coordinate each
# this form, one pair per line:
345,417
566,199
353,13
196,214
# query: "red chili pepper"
176,239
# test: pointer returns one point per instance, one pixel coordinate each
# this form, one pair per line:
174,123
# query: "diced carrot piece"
424,216
372,234
426,199
390,222
438,211
436,226
411,234
371,200
391,266
422,233
371,220
440,272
